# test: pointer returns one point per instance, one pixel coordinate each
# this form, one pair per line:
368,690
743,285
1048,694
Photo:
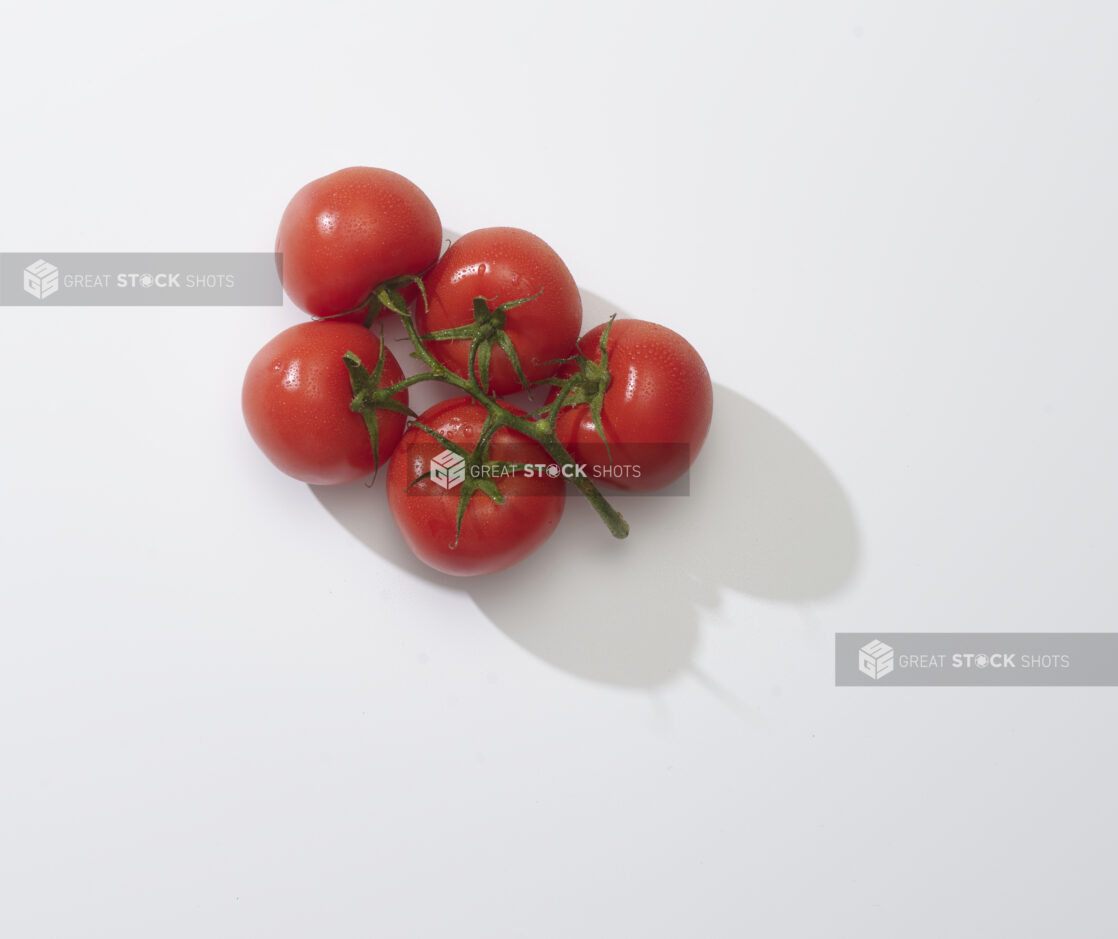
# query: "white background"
234,706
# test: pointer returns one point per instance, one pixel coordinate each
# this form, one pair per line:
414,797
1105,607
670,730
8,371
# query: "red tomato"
655,412
296,399
503,265
493,536
346,233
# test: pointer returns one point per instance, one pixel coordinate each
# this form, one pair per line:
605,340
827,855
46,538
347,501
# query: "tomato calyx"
479,470
588,385
487,330
388,296
369,397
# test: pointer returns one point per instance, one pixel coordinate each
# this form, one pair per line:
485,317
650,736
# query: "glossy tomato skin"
343,234
655,413
504,264
296,397
493,537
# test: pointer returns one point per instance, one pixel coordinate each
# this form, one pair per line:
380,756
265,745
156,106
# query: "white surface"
232,706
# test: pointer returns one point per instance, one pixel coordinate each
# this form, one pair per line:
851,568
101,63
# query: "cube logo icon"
448,469
875,659
40,279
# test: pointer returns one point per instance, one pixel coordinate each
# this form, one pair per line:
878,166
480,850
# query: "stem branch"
541,430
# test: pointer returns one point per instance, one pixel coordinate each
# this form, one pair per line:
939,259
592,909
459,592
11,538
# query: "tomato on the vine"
527,293
296,402
424,498
348,232
656,407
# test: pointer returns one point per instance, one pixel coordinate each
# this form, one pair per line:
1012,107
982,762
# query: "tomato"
296,398
346,233
503,265
493,536
655,411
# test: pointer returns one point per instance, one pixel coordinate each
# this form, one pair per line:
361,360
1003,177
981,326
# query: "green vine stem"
541,429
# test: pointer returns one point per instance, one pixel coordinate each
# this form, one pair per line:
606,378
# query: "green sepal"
472,483
510,350
487,330
359,380
418,479
447,444
589,384
456,332
480,353
369,397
